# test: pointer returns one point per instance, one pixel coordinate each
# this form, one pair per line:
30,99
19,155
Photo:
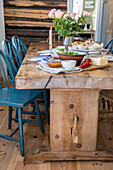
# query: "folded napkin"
45,67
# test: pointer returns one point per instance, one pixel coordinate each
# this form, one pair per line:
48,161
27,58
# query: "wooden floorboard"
10,158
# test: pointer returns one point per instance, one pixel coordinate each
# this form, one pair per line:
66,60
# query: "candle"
50,39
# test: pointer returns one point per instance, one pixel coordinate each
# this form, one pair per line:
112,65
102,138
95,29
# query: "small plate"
37,58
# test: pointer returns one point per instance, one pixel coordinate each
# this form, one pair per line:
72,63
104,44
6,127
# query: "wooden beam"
42,156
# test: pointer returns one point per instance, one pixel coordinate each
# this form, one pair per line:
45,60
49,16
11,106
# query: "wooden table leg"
73,128
67,106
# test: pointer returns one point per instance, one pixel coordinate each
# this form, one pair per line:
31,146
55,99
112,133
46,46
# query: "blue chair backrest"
19,45
8,62
109,45
11,52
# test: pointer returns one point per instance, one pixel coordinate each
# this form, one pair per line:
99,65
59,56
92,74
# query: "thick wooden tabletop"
29,77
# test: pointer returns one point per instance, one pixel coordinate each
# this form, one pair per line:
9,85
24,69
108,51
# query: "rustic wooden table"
73,108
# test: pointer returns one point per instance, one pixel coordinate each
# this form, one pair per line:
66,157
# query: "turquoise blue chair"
19,45
13,97
109,45
11,52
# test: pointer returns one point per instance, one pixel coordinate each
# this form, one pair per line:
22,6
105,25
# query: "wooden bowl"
78,58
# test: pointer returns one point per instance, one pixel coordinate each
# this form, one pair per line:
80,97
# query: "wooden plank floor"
10,158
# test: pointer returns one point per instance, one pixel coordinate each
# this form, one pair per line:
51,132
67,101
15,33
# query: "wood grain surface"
65,104
10,158
30,77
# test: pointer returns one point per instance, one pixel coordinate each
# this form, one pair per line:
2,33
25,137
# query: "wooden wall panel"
109,28
29,18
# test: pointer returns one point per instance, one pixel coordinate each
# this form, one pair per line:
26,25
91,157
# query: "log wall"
29,18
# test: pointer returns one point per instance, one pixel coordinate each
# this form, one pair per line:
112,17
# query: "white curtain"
99,9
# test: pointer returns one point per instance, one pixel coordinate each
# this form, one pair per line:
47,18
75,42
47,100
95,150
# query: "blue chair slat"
11,96
19,45
109,45
10,50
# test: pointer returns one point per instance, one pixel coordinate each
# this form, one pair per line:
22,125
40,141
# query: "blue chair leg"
33,109
39,115
20,125
46,107
16,117
10,117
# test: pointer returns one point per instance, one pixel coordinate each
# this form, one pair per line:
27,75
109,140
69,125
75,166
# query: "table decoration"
67,25
50,39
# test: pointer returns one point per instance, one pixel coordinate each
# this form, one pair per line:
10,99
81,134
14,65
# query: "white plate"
37,58
86,51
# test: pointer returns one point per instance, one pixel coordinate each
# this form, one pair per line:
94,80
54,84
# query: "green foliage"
82,20
67,26
69,52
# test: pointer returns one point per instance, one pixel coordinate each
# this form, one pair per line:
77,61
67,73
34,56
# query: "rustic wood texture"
29,18
95,67
30,77
10,158
65,104
109,28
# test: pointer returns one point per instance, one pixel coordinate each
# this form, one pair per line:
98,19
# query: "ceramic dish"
37,58
77,57
68,64
55,63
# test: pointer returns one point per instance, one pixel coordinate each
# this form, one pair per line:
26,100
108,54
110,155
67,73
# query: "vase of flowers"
67,40
66,24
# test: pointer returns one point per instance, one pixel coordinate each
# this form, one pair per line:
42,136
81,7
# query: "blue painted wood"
14,131
7,46
39,115
109,45
9,138
19,45
11,52
46,106
26,120
10,117
21,131
11,96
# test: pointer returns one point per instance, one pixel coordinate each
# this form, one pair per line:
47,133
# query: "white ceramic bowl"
68,64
